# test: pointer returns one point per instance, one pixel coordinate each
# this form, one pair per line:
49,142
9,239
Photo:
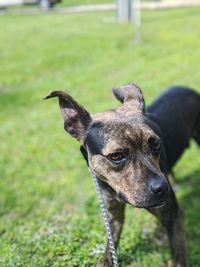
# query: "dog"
132,149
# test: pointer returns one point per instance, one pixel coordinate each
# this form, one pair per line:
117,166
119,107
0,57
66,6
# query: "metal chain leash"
106,220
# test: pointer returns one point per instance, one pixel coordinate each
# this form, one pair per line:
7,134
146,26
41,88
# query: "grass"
85,2
49,212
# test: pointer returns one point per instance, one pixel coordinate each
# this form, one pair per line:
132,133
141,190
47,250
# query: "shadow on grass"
156,243
152,250
190,202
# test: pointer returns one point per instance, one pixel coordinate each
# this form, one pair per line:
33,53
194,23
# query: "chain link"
106,220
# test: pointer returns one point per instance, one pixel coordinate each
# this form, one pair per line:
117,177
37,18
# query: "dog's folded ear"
131,96
76,118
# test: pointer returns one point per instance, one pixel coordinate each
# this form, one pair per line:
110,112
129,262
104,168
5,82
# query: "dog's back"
177,113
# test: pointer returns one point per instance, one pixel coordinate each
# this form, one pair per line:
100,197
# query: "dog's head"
122,147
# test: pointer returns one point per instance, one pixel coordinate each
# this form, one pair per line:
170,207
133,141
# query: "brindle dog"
132,150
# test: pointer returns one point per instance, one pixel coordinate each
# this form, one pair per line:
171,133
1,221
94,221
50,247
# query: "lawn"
83,2
89,2
49,211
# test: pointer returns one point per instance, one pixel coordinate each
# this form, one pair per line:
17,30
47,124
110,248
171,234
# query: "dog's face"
122,148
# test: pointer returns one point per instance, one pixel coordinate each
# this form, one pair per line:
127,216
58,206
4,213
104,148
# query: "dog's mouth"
147,204
144,205
150,204
122,198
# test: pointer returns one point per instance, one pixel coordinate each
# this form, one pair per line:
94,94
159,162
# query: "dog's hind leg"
115,210
171,216
196,131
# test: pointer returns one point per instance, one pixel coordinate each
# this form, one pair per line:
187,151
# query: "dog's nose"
158,186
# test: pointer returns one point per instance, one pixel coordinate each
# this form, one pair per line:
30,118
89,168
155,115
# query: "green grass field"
49,211
83,2
88,2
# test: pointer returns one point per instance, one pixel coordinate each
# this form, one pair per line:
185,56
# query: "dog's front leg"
171,216
115,210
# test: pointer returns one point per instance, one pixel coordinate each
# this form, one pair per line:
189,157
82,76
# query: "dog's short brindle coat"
132,150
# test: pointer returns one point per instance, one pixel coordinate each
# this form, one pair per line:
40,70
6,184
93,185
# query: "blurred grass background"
83,2
89,2
49,211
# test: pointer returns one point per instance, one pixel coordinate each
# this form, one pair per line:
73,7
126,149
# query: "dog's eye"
117,156
154,144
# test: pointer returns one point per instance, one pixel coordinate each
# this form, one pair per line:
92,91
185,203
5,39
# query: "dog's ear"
76,118
131,96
